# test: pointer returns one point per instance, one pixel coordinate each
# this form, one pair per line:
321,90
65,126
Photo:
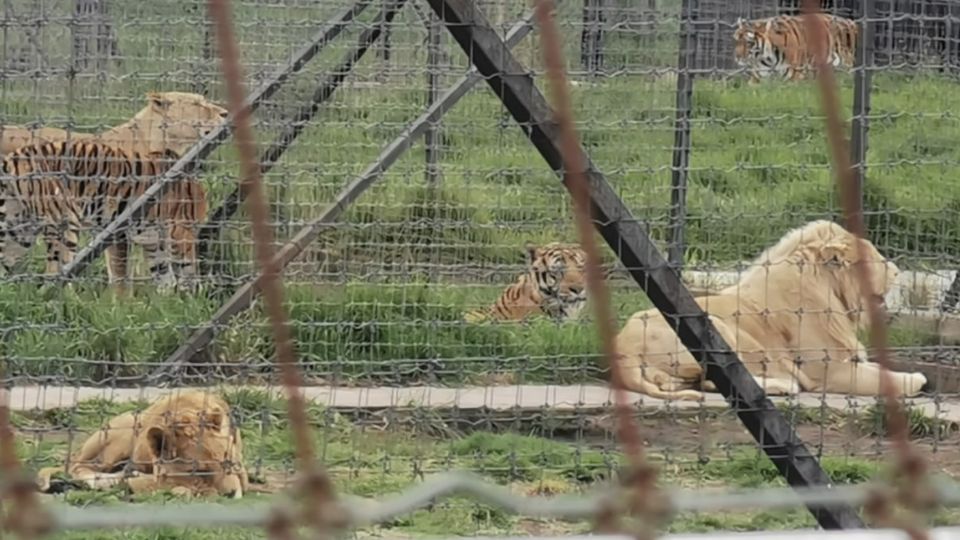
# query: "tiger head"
746,41
559,271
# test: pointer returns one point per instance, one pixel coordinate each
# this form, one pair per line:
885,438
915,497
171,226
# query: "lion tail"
637,383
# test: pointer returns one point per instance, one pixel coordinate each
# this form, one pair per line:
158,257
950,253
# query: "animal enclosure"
410,196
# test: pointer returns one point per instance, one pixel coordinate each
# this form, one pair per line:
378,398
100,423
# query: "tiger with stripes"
55,188
778,45
554,284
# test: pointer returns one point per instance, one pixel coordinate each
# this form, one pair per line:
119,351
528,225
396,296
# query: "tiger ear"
532,251
739,22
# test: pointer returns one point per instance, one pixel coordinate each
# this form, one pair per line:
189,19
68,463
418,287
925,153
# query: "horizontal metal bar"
365,512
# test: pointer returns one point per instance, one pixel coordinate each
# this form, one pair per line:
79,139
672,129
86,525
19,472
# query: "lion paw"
182,491
43,483
44,478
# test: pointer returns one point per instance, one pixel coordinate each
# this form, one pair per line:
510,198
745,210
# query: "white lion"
792,318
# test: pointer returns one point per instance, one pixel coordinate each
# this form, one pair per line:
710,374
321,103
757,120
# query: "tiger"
554,284
55,188
778,45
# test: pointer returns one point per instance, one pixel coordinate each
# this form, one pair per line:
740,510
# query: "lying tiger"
55,188
554,284
778,45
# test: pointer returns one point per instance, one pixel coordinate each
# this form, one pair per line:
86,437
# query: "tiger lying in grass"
554,284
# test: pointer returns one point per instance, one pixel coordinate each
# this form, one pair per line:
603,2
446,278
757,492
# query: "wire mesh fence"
405,200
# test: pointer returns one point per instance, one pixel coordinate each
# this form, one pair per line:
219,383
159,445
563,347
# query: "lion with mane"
184,442
792,318
169,121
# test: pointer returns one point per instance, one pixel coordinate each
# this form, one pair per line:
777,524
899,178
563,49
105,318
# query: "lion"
792,318
184,442
169,121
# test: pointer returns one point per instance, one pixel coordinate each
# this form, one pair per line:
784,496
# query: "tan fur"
779,45
184,442
792,318
169,121
554,284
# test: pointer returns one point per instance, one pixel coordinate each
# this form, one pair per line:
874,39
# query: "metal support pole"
680,167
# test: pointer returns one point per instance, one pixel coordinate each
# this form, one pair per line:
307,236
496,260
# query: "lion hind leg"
100,455
635,379
778,387
45,477
89,477
772,386
97,480
863,379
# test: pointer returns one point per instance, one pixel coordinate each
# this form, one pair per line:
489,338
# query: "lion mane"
184,442
792,318
169,121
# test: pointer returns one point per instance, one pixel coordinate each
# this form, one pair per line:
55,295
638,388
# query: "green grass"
371,462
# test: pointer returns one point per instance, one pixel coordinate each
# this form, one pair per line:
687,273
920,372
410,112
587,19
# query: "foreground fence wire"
380,289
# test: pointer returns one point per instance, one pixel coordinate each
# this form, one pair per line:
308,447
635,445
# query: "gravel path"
530,397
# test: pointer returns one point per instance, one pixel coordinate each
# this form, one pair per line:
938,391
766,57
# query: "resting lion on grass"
184,442
169,121
792,318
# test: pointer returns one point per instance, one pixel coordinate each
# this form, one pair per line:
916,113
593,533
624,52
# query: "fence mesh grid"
401,387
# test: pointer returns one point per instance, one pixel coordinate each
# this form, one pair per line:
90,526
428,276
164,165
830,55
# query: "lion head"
196,446
840,253
170,120
817,262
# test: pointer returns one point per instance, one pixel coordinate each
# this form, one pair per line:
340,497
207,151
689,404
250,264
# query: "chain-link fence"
405,200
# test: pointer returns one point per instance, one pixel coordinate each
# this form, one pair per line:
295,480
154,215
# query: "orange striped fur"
554,284
778,45
56,188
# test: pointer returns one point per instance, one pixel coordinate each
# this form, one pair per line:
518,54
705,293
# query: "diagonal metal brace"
205,146
292,129
243,297
632,244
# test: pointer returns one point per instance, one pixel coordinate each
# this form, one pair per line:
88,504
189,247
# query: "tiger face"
560,274
752,50
744,41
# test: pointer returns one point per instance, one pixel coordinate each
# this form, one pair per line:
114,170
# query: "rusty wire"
21,512
642,476
318,489
910,467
